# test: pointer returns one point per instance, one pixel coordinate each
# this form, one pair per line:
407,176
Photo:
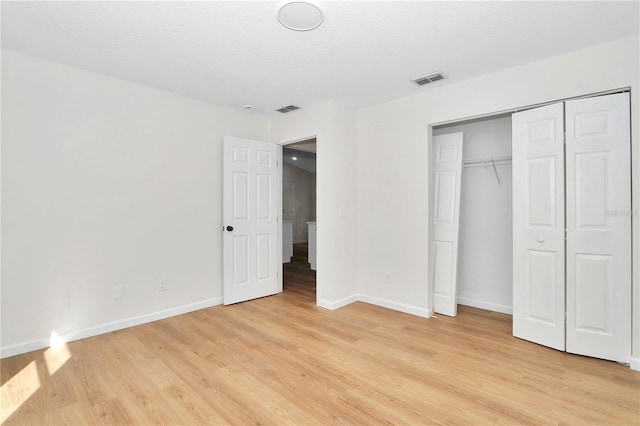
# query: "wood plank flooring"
281,360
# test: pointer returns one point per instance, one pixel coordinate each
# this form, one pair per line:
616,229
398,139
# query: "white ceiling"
236,53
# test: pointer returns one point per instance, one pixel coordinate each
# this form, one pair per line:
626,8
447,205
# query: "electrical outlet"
163,284
117,292
387,277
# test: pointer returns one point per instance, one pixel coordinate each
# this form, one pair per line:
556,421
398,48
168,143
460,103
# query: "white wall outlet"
163,283
117,292
342,212
62,301
387,277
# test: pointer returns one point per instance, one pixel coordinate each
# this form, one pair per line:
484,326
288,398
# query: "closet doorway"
299,216
557,243
484,268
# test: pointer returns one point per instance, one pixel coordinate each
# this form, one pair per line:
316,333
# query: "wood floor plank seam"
282,360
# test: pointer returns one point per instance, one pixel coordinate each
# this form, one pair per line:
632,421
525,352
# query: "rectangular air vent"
421,81
287,109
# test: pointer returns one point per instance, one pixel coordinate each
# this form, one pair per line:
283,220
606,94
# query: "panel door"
599,227
538,226
250,218
446,217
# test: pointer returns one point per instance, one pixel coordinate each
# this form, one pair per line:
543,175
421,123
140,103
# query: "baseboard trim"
634,363
108,327
408,309
474,303
337,304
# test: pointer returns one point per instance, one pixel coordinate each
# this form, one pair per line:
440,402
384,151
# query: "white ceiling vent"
287,109
421,81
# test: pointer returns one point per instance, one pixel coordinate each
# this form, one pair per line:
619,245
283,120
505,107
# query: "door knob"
541,239
229,228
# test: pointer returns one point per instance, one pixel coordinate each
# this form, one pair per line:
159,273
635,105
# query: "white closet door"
444,253
599,227
538,226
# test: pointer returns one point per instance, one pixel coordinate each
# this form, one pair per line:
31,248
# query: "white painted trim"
401,307
408,309
338,303
108,327
634,363
475,303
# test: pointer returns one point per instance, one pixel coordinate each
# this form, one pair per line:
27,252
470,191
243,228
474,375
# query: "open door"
251,188
446,217
538,226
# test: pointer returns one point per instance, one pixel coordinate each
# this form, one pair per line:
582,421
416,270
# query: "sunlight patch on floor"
18,390
57,354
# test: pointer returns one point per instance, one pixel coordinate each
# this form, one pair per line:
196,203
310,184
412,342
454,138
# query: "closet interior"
485,224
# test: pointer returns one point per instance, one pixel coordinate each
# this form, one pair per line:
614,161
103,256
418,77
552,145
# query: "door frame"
318,202
488,115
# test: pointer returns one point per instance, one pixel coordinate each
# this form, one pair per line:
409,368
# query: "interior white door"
446,218
538,226
250,219
598,174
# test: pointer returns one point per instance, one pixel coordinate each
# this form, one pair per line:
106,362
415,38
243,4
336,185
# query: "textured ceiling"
236,53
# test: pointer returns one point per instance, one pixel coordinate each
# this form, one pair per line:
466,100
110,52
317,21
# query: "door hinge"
565,234
564,137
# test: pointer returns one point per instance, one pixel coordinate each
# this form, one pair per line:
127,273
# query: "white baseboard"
408,309
474,303
337,304
635,363
44,342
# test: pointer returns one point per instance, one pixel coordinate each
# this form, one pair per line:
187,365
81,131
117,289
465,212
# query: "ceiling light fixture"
300,16
294,158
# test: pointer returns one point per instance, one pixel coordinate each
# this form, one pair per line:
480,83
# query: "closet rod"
474,162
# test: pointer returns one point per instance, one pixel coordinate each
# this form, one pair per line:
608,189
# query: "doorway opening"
570,260
299,218
484,269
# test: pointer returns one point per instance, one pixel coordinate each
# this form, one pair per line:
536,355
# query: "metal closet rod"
474,162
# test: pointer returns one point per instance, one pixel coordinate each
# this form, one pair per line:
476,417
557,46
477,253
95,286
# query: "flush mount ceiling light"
300,16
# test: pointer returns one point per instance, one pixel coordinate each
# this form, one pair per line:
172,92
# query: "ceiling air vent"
428,79
287,109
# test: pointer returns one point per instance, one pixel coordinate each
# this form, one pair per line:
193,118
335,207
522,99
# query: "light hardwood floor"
281,360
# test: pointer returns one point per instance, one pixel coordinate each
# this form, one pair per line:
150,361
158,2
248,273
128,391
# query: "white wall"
334,127
305,195
393,158
485,269
106,183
